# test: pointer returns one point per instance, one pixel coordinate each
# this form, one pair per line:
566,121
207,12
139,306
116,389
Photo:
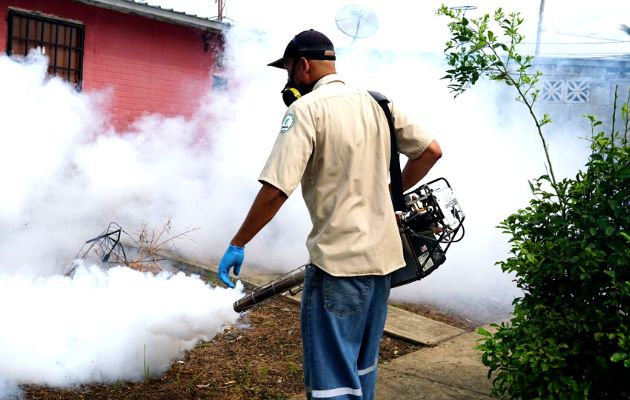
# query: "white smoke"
66,174
104,326
491,148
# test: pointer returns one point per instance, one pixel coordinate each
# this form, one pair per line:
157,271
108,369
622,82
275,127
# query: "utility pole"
541,12
220,11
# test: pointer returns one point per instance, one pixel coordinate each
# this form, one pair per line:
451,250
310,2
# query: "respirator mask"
292,90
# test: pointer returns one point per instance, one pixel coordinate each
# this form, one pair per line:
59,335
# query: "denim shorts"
342,324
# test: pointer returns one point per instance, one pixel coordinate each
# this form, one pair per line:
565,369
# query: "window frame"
55,22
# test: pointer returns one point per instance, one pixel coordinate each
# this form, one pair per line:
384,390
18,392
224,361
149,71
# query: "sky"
569,28
66,174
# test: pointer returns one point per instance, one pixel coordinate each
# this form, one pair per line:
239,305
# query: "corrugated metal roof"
140,7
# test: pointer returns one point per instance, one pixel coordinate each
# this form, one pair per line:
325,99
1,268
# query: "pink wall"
3,25
151,66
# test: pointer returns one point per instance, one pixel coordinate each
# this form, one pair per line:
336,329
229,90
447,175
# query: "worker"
335,140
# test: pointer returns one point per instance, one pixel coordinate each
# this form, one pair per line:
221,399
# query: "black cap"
310,44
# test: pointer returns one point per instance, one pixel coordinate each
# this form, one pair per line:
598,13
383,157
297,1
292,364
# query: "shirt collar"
327,79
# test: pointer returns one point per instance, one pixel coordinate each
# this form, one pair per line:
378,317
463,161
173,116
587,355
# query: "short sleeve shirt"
335,141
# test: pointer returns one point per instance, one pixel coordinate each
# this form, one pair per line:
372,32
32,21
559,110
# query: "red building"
154,60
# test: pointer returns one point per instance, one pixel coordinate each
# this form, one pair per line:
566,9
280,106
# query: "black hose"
276,287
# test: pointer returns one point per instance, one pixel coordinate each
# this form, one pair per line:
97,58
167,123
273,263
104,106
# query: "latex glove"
233,257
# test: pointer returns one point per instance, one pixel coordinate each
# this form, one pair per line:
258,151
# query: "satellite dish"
463,9
356,21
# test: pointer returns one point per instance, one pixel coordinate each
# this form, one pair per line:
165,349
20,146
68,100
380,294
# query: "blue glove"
233,257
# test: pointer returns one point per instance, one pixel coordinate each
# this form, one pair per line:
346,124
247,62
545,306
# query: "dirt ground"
260,359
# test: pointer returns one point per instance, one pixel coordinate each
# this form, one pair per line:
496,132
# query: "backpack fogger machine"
431,221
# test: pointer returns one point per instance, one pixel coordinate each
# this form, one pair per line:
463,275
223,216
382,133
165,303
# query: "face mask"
293,91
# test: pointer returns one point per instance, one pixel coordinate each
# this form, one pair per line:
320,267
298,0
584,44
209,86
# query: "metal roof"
156,12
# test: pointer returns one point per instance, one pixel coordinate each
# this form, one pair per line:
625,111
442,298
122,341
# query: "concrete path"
416,328
448,368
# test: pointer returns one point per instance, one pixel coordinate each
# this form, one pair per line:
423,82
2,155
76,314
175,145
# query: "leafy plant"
569,337
476,50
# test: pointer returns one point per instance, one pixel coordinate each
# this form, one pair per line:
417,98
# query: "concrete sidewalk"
448,368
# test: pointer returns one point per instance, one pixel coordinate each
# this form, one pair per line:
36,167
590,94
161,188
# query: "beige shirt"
336,141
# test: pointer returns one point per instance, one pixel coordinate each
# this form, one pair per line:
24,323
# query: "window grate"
60,41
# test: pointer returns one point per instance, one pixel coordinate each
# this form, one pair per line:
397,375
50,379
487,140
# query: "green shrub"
570,334
569,337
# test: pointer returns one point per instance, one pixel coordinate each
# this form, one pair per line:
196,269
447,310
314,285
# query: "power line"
586,36
586,55
570,43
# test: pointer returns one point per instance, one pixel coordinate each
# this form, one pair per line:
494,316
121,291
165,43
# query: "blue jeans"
342,324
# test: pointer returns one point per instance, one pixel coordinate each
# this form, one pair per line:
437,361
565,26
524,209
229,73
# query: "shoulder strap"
395,175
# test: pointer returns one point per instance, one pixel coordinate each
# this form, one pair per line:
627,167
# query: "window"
60,41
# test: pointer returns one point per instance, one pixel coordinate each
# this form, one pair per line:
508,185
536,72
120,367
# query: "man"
336,141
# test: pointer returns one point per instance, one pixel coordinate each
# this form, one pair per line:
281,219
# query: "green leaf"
601,362
483,332
613,204
618,357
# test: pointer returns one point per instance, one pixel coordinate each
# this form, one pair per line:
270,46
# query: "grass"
147,369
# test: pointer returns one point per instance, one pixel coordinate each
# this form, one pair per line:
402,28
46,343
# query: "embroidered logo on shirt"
287,122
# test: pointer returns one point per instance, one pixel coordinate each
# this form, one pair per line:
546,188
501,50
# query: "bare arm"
417,169
267,203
